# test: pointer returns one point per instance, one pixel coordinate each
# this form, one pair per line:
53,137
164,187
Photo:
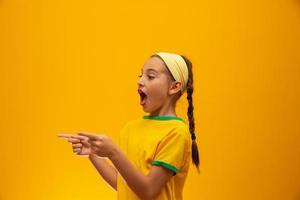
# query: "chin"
147,110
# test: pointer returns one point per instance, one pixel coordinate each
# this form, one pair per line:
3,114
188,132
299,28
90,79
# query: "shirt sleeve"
171,151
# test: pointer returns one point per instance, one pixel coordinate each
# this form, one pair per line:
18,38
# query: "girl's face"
154,85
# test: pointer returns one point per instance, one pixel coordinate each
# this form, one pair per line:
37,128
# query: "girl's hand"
101,145
80,144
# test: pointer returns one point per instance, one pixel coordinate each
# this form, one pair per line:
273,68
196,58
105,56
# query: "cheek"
160,91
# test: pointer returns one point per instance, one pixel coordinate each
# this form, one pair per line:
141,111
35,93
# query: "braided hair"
190,112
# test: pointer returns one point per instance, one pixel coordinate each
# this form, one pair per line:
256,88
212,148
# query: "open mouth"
143,97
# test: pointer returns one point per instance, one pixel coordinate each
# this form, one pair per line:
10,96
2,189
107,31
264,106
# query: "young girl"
154,152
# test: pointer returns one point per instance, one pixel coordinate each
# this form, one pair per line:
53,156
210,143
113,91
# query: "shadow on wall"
297,2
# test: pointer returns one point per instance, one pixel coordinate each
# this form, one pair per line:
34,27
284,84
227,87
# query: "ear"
175,87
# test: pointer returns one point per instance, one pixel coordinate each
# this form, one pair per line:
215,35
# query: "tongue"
143,101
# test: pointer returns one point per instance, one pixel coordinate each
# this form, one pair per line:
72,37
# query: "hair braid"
190,113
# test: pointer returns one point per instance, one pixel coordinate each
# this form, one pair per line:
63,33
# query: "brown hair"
190,111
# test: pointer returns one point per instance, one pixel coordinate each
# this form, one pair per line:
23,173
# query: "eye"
151,77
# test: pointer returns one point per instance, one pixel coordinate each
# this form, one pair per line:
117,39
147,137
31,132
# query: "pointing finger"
90,136
64,135
80,137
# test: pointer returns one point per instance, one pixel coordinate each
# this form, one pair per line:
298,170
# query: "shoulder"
179,134
181,129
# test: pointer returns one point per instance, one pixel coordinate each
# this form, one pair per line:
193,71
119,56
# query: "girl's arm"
145,186
108,173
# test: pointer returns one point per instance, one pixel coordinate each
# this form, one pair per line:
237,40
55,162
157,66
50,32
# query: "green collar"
165,117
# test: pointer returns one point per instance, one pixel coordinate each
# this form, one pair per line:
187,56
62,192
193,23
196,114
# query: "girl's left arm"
145,186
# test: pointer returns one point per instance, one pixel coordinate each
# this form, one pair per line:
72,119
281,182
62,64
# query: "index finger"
80,137
67,136
89,135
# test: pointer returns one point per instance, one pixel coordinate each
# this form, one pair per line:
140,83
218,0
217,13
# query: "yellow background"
69,66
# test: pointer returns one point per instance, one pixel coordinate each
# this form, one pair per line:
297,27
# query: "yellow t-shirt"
156,140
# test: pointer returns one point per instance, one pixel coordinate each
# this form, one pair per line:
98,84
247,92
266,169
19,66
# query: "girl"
154,152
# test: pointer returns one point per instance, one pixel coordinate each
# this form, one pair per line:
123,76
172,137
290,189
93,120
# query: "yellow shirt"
156,140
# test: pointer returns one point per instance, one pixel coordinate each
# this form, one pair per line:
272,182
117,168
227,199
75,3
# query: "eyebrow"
150,69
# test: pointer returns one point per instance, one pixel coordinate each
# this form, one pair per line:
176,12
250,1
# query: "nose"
140,82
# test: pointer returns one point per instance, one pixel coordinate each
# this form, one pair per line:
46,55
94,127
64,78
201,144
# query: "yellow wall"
69,66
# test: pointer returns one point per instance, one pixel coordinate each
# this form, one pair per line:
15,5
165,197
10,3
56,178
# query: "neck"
168,109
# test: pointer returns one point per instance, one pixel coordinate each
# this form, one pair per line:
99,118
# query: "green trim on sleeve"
166,165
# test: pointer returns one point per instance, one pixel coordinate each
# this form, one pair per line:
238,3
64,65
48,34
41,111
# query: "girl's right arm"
108,173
